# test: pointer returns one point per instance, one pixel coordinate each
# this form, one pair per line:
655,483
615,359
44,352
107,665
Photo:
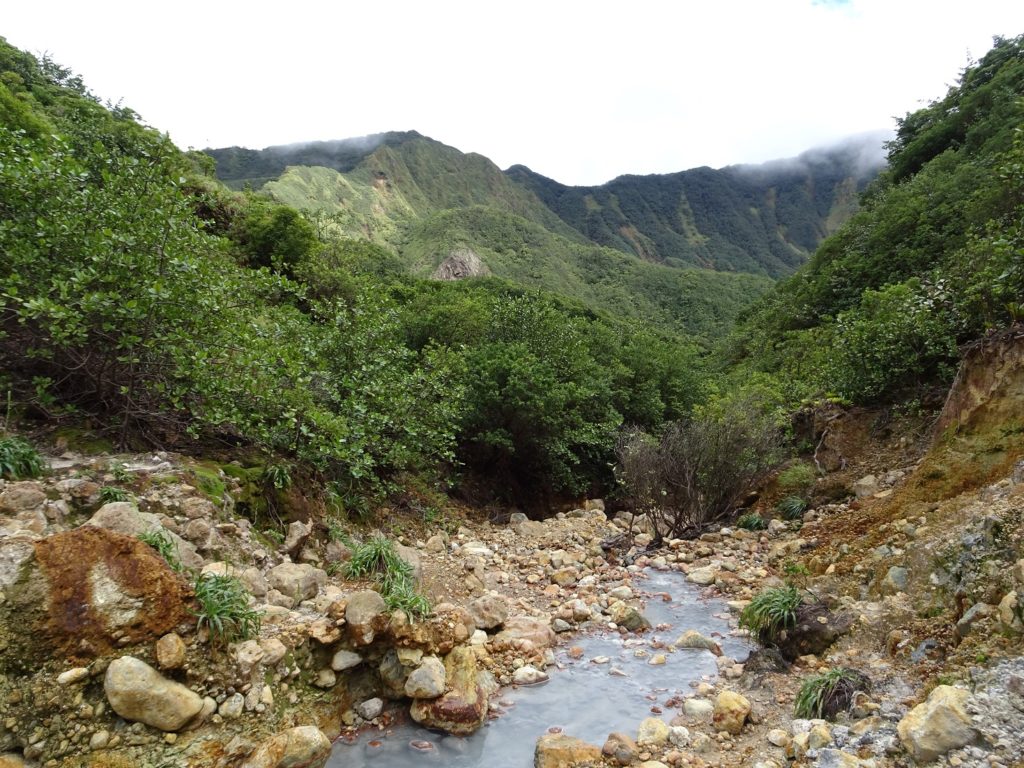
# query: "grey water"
582,698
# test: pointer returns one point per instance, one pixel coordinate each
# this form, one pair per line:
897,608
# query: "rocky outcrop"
731,712
305,746
462,709
138,692
89,590
366,616
940,724
556,750
124,517
460,264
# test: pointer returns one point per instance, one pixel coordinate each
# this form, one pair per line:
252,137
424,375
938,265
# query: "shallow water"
584,699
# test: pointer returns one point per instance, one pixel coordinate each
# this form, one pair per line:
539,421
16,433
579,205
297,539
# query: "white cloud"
580,91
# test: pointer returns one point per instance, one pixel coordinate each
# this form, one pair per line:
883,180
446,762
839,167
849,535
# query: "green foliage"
770,612
162,542
273,236
277,476
929,262
111,493
751,521
898,337
792,507
827,694
797,477
19,460
377,558
223,608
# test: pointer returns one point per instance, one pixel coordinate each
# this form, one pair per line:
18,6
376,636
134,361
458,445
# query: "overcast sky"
579,91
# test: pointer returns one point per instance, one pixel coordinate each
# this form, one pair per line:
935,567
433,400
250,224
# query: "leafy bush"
18,459
111,493
224,609
377,559
751,521
278,476
792,507
798,477
162,542
770,612
827,694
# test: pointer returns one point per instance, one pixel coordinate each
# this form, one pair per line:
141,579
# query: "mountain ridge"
759,219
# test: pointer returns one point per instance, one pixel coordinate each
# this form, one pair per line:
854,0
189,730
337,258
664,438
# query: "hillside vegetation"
140,295
932,260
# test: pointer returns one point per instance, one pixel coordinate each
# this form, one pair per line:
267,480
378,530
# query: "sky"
581,91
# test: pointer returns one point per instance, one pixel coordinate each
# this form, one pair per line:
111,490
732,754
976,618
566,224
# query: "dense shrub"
701,467
18,459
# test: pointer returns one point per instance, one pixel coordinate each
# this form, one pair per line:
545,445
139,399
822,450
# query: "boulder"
940,724
895,581
462,710
517,628
298,533
703,576
528,675
138,692
691,638
866,486
428,680
343,660
556,750
370,708
1010,612
627,616
170,651
303,747
410,557
653,732
815,630
124,517
620,748
298,581
22,497
731,712
366,614
89,590
699,709
488,611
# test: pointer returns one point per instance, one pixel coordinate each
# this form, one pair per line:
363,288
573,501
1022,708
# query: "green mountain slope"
762,219
933,260
696,301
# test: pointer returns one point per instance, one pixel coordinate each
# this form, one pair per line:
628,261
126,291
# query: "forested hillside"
761,220
933,260
140,297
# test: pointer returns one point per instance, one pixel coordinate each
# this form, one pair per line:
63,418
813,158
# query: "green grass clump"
162,542
19,460
792,507
798,477
770,612
377,559
828,694
111,493
751,522
224,609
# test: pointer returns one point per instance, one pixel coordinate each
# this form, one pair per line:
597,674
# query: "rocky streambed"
602,681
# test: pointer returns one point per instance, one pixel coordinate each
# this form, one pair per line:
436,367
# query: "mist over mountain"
757,219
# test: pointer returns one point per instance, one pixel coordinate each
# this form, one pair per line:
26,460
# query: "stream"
586,700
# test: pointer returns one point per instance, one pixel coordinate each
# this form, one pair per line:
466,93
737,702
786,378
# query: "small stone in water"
600,660
419,745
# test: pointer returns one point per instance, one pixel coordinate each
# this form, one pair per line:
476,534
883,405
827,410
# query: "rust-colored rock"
100,586
463,708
